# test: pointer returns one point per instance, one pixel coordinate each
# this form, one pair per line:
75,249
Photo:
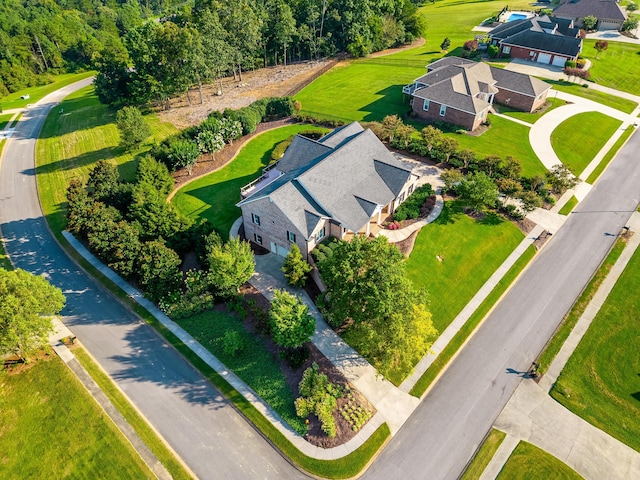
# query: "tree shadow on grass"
79,161
491,218
391,102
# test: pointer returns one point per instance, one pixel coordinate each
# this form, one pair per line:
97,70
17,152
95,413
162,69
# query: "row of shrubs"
413,207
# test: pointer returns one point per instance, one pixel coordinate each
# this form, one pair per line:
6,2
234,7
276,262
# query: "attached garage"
609,25
544,58
559,61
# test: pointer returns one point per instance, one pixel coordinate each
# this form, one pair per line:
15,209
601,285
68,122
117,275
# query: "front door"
274,248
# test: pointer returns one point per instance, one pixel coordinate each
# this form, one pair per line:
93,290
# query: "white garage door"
544,58
559,61
603,25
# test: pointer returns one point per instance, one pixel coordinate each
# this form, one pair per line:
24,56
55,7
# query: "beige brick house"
345,183
462,92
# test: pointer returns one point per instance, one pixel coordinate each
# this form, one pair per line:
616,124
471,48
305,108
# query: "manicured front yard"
578,139
359,91
616,67
254,364
528,462
52,428
612,101
504,138
215,195
13,100
70,144
484,455
470,250
600,382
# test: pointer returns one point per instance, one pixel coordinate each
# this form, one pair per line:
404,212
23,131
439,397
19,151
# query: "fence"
322,71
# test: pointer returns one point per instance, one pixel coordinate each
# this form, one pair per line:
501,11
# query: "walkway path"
395,236
392,404
532,415
67,356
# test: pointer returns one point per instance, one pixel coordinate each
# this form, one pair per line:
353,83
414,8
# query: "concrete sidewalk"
395,236
533,416
55,340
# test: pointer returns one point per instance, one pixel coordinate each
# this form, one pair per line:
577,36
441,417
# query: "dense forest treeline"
154,49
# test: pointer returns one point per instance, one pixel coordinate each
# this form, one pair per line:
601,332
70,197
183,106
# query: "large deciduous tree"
132,127
26,303
477,191
230,265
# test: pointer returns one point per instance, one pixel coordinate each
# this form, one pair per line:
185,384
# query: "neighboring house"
462,92
609,14
345,183
542,39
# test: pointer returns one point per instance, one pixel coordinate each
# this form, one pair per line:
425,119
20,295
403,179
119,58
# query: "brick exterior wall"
525,54
457,117
519,101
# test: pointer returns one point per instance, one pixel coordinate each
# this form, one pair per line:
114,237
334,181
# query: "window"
320,234
401,198
443,110
425,107
506,50
410,189
257,238
291,236
255,218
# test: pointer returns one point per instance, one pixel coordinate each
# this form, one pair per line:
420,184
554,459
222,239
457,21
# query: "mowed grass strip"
555,344
471,250
616,67
619,103
71,143
142,428
359,91
569,206
254,364
52,428
531,117
215,195
13,100
578,139
528,462
504,138
601,381
443,359
4,120
484,455
610,154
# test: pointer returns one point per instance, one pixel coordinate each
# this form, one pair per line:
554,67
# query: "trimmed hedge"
412,206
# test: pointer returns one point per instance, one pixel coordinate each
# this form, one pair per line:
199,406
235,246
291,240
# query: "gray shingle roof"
518,82
549,34
447,62
607,9
345,184
301,151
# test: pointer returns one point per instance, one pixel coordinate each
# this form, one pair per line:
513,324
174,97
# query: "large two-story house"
345,183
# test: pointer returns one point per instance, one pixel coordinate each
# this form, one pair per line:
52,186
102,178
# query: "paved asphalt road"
212,438
442,434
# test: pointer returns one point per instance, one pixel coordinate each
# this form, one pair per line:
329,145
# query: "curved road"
204,429
215,441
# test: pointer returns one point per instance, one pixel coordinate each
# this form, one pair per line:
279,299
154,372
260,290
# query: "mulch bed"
315,435
205,165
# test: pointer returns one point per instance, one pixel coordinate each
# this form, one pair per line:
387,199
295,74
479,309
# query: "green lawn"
4,119
610,154
612,101
484,455
601,381
504,138
569,206
555,344
71,143
359,91
471,251
254,364
13,100
617,67
214,196
528,462
50,427
578,139
530,117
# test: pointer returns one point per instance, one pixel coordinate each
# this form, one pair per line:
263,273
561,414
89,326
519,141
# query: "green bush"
411,207
232,343
493,51
279,107
318,396
569,64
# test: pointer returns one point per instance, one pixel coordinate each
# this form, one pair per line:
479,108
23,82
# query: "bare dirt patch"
264,82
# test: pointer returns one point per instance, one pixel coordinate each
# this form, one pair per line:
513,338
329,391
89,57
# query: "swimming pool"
516,16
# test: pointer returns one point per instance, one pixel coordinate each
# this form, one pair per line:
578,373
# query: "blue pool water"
516,16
